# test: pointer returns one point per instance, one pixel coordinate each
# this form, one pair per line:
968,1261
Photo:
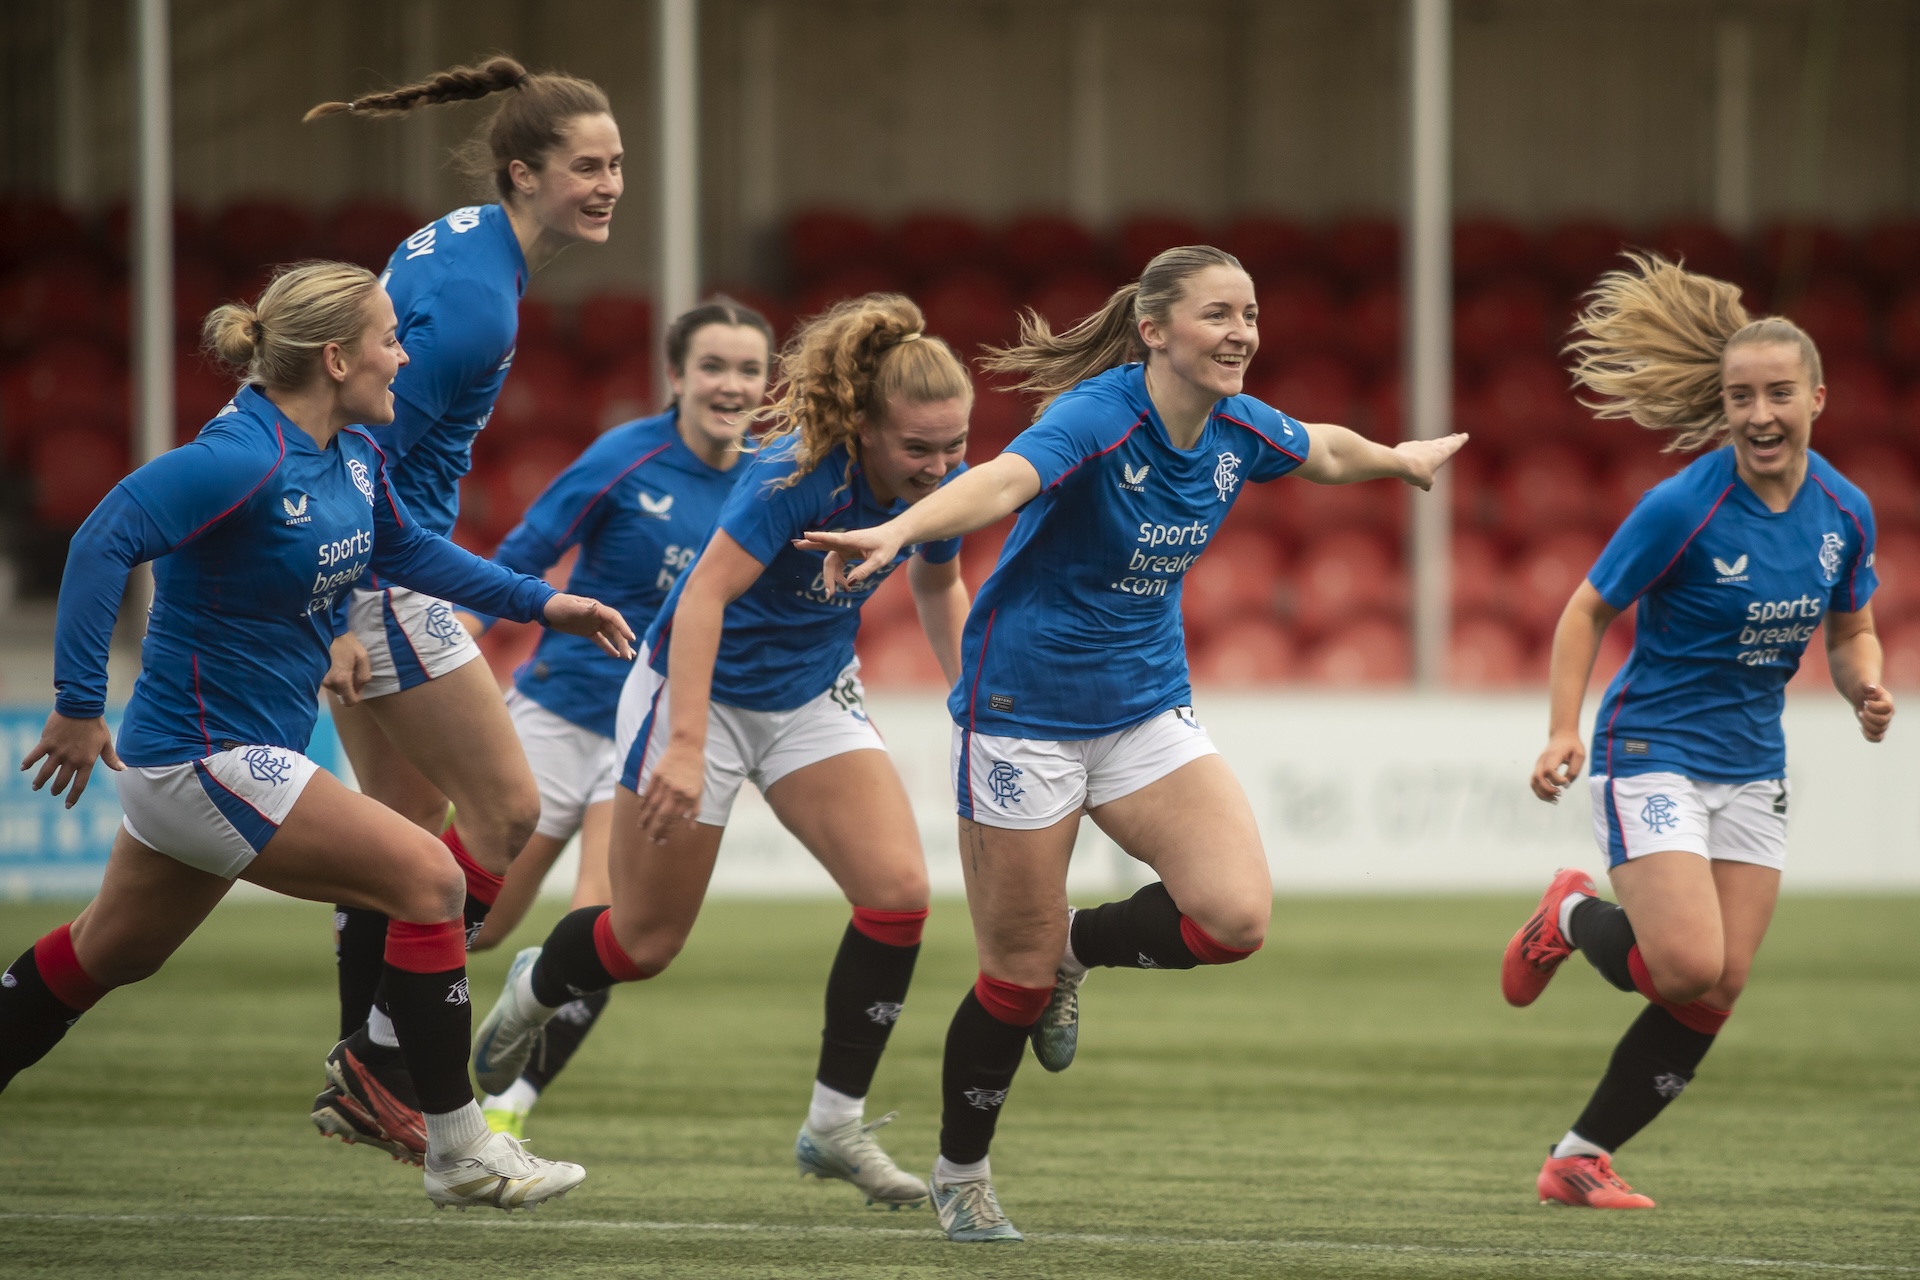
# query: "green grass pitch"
1355,1101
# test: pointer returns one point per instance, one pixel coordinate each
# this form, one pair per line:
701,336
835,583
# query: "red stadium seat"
539,324
1363,251
201,388
1306,511
1545,575
1837,315
61,382
623,393
1344,575
822,242
1141,239
368,231
898,657
528,467
854,282
998,416
1861,408
931,244
1896,560
1253,651
32,228
1297,315
1506,319
613,327
970,309
1545,490
73,468
1476,505
1577,252
1037,245
1703,247
251,234
1485,653
1886,475
891,603
1890,251
1237,577
1311,388
197,289
1368,653
1370,327
1479,575
980,551
1490,248
59,297
541,396
1525,400
1629,479
1066,299
1268,247
1385,408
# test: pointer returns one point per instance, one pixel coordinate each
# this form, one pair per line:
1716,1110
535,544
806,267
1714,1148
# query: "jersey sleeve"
1644,547
763,515
450,347
569,509
118,535
188,490
1073,430
1280,442
1854,588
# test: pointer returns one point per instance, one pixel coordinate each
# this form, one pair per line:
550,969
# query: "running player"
1073,693
433,725
639,504
254,529
1734,563
751,675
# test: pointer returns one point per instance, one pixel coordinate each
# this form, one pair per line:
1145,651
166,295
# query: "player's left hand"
579,616
351,669
66,752
1873,707
867,550
1424,458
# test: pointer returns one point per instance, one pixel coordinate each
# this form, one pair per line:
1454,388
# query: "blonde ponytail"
277,340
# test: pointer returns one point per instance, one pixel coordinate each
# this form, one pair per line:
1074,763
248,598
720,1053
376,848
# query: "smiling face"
725,378
1210,333
364,375
572,194
912,449
1770,407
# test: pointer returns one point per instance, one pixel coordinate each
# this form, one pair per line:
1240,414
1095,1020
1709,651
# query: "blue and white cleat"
850,1154
970,1212
512,1029
1056,1036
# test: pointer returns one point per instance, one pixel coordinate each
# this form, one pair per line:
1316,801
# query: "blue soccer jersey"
1077,632
254,532
785,640
1729,593
456,286
639,504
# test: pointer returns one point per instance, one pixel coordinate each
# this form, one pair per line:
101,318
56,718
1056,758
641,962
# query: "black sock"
1653,1062
565,1032
1142,932
433,1019
569,966
474,913
360,1039
361,956
982,1055
32,1018
1602,933
865,994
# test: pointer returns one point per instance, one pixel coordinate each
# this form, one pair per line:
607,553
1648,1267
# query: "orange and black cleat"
1587,1182
360,1108
1537,950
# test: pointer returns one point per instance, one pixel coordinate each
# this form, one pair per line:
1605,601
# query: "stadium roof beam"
1429,320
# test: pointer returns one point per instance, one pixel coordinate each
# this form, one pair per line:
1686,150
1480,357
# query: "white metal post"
1429,321
677,281
1733,124
1087,186
152,232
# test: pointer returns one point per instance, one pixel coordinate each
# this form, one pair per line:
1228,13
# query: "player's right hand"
1558,766
66,752
351,669
868,550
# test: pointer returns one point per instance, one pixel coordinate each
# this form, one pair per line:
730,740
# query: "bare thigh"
657,886
384,773
591,888
1017,896
147,906
871,847
1674,906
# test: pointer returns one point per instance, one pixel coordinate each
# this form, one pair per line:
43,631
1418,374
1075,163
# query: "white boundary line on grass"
529,1222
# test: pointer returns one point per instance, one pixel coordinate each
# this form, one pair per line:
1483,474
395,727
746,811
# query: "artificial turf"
1355,1101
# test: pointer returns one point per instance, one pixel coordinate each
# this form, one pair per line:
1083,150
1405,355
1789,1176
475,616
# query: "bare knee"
1685,978
651,948
498,827
1241,926
435,893
1723,994
901,890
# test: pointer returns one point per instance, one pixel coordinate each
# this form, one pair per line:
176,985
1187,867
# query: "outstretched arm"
968,502
1339,455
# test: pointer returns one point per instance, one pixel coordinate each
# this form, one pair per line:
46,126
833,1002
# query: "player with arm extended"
1073,695
750,675
638,503
1734,563
254,529
421,722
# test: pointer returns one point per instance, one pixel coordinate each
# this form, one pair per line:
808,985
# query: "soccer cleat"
1537,950
970,1213
501,1174
850,1154
1587,1182
1057,1035
504,1118
376,1103
506,1040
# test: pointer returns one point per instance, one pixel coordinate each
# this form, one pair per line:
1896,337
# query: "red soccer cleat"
1587,1182
371,1107
1537,950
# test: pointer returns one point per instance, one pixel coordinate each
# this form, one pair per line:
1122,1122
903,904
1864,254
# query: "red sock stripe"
1642,978
481,883
1013,1004
1205,949
893,928
426,948
60,969
1694,1015
613,957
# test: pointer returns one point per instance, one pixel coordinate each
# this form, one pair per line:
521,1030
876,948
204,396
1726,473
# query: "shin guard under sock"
1145,931
866,992
360,956
1600,931
1653,1062
426,990
581,956
566,1031
42,994
482,885
983,1051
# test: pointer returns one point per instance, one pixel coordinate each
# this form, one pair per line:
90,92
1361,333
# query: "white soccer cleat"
500,1174
970,1213
850,1154
512,1029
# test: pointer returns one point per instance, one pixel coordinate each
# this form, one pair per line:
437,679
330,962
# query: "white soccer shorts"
214,814
1655,812
573,766
410,638
757,746
1028,783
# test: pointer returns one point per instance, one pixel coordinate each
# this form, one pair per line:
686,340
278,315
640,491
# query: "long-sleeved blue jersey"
254,531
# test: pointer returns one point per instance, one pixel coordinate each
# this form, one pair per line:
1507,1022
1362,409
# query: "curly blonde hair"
1656,336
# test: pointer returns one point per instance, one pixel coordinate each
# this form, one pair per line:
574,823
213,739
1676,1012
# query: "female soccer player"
1734,563
432,725
639,503
1073,692
751,675
255,528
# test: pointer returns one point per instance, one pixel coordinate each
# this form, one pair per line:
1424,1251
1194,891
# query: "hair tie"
912,337
259,331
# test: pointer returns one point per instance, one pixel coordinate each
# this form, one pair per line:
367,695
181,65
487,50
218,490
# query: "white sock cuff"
519,1096
946,1172
1575,1145
451,1134
831,1108
1567,904
380,1029
1069,962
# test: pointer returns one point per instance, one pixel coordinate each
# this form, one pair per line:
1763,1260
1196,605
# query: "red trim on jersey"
59,966
1205,948
1621,702
1102,453
1011,1003
277,435
426,948
482,884
1861,529
1263,435
613,957
591,502
893,928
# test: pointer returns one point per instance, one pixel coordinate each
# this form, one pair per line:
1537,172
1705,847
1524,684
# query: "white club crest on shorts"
264,764
1830,547
1003,780
1660,813
361,480
442,625
1226,475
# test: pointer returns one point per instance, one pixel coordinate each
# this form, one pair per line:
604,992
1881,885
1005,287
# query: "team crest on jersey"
361,479
656,507
1735,572
1226,475
1134,478
264,764
1831,545
1003,780
1660,814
